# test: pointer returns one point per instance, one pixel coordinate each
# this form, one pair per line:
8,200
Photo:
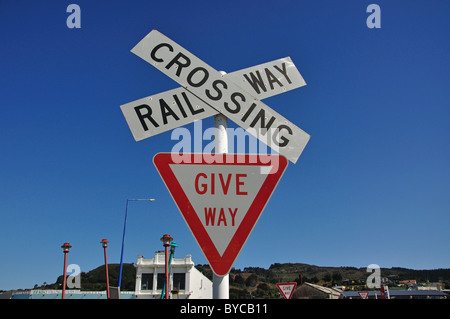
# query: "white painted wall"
197,286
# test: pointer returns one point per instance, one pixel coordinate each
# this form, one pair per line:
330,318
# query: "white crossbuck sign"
206,92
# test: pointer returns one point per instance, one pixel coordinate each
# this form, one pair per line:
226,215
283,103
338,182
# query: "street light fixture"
123,237
65,247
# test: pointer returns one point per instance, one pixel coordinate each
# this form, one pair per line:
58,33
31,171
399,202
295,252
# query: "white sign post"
221,284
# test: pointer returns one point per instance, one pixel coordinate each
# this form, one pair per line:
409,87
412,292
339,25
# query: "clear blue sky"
372,185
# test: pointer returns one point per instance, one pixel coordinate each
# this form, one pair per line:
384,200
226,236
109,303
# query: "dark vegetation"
95,280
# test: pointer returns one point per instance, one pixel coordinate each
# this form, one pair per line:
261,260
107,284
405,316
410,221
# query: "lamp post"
166,239
123,237
104,243
173,245
65,247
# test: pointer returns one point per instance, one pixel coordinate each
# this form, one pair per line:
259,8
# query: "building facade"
185,281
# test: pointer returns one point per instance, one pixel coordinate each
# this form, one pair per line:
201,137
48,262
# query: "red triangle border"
221,265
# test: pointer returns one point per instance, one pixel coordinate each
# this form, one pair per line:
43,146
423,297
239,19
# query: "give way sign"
222,201
287,289
363,294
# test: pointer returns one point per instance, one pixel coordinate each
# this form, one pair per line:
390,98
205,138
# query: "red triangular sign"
287,289
363,294
221,197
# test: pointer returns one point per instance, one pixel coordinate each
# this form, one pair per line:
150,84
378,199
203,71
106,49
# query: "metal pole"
107,277
172,252
65,247
123,237
166,239
220,134
221,283
64,276
123,241
167,272
104,243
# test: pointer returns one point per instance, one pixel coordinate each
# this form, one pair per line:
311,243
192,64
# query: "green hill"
95,280
261,283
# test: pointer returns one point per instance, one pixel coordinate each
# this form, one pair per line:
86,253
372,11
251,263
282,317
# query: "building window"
161,280
147,282
179,281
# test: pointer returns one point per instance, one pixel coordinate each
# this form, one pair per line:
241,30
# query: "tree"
337,277
263,291
251,281
238,280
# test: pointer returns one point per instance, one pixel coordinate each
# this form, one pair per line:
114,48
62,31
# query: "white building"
185,280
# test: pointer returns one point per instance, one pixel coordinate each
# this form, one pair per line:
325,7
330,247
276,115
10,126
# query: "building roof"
160,260
330,291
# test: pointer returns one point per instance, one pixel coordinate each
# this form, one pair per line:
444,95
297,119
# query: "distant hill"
260,282
353,273
256,282
95,280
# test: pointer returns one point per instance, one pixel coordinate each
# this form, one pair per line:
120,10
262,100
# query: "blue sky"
372,185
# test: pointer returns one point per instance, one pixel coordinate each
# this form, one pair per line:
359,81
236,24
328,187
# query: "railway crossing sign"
287,289
165,111
221,201
217,91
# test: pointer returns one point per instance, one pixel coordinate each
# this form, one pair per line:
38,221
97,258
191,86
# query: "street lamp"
123,237
166,239
65,247
104,243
